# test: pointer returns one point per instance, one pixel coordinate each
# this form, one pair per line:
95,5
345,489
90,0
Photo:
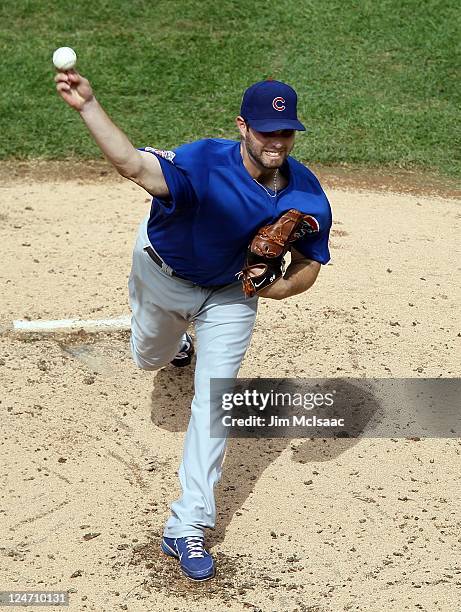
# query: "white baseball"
64,58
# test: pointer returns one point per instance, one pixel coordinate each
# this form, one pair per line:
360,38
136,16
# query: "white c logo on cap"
278,104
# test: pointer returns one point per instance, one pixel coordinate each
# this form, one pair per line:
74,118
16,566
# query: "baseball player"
209,198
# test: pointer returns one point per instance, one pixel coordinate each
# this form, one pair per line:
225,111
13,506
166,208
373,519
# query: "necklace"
271,195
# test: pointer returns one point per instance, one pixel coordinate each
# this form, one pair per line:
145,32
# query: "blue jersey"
215,208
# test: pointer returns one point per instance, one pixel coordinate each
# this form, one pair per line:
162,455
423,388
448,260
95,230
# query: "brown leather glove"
264,260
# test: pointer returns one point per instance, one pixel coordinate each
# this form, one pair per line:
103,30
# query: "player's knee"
145,360
145,365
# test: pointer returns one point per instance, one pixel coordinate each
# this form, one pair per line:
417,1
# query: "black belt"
161,264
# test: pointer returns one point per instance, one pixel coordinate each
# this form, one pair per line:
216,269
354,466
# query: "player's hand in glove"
264,260
73,89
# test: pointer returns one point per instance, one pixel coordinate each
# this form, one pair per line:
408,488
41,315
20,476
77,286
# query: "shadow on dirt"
247,458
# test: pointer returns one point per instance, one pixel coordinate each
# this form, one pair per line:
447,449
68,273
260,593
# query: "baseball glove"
264,259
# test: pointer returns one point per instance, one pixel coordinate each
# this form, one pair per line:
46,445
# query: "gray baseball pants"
162,307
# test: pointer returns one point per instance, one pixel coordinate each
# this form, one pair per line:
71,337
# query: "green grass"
378,81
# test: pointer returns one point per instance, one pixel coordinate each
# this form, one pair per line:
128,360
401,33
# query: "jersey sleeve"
315,246
182,194
313,201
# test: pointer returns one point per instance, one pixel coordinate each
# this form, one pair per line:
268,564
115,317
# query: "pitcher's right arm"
138,166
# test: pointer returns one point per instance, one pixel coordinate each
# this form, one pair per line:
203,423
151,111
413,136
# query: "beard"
260,158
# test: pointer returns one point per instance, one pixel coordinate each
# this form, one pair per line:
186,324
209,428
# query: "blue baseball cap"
270,105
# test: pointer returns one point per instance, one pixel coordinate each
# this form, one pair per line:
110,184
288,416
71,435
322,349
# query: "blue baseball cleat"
184,357
195,562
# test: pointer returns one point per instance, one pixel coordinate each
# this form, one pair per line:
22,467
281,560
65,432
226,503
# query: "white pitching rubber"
91,325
